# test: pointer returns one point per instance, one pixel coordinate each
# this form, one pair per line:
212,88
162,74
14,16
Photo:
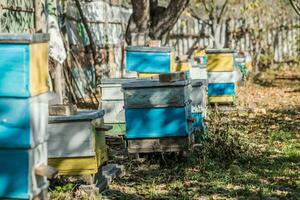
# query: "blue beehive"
157,60
23,64
18,179
23,121
156,110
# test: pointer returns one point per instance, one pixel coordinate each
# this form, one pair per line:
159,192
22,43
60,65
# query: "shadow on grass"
274,172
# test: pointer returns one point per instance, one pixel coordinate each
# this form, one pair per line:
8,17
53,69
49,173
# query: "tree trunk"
154,21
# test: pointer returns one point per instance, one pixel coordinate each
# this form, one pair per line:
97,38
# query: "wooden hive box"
155,110
152,93
23,121
23,64
18,179
220,60
153,60
221,89
74,146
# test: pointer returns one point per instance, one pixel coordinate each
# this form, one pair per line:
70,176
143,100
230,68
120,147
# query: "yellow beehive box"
220,60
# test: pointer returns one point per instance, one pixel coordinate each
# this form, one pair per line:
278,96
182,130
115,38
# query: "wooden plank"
46,171
171,144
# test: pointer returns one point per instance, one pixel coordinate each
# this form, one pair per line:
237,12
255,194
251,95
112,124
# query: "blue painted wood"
157,122
14,70
23,121
148,60
14,173
221,89
198,120
18,179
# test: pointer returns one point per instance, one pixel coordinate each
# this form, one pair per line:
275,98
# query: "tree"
152,20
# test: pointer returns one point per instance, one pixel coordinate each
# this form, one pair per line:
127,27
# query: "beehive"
155,110
153,60
25,119
23,64
18,179
74,145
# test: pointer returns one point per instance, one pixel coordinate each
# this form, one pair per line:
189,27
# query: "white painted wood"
71,139
198,73
37,156
222,77
112,92
114,111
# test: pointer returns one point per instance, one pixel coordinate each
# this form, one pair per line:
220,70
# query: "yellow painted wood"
199,53
142,75
183,66
172,61
75,166
221,99
220,62
38,68
83,165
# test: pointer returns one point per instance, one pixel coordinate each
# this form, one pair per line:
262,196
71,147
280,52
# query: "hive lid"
153,83
24,38
117,80
79,116
149,49
212,51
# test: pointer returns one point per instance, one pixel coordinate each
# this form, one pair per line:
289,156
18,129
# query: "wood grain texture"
168,144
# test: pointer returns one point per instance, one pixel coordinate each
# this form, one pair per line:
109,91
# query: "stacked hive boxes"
76,147
198,76
157,116
221,76
23,114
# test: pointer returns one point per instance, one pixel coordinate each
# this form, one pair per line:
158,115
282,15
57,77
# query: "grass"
245,155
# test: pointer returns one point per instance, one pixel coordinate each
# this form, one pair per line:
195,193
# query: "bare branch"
222,12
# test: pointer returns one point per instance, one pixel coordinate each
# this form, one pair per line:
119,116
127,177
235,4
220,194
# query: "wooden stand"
152,145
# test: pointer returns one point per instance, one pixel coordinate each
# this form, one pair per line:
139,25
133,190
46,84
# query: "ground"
250,153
